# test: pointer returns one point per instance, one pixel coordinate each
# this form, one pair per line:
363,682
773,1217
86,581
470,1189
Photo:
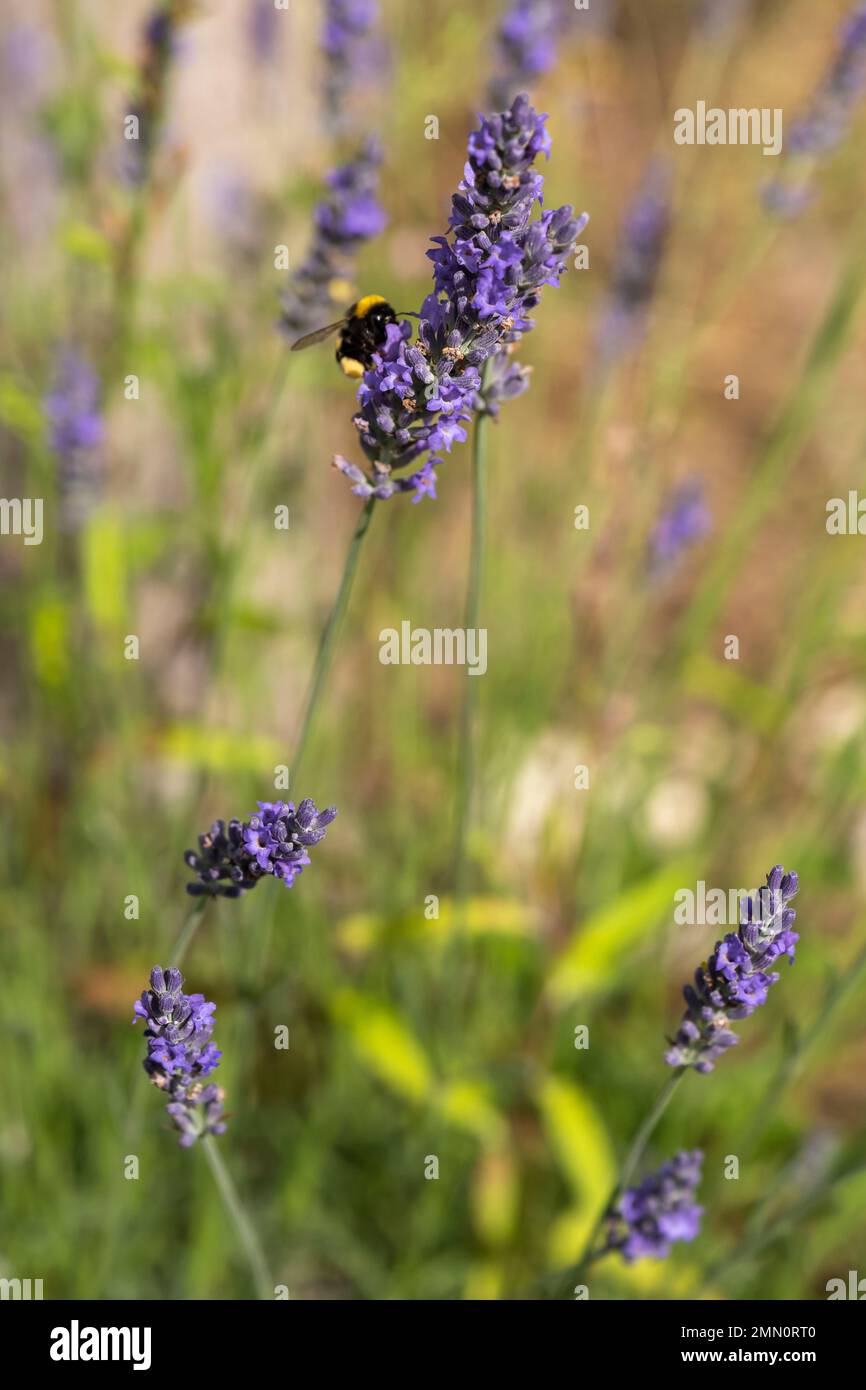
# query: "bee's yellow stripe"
363,307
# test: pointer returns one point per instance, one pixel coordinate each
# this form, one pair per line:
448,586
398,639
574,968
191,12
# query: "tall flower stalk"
636,267
349,48
157,50
418,396
347,216
731,984
180,1056
826,121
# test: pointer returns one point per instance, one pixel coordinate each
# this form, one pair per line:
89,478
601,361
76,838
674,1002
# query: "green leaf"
85,243
484,916
590,962
104,563
467,1105
215,749
720,683
385,1045
579,1140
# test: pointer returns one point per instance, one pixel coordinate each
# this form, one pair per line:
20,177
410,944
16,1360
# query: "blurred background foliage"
411,1037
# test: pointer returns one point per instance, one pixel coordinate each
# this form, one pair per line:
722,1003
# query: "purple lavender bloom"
233,857
348,216
685,519
417,397
824,124
180,1053
158,46
350,50
75,433
636,266
649,1218
735,980
262,19
526,46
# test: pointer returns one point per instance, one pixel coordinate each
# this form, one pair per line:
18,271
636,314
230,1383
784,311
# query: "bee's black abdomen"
363,333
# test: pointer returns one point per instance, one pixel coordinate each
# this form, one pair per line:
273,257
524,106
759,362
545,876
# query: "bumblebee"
362,332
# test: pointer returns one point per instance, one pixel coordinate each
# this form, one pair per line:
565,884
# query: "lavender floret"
649,1218
233,857
347,217
180,1054
418,396
736,979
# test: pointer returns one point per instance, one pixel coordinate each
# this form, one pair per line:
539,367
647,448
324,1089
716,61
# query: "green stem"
246,1231
466,753
632,1161
326,645
193,921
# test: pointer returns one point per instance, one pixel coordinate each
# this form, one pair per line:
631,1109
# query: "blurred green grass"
109,768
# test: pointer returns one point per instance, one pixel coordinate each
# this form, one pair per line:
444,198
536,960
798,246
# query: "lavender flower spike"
648,1218
349,49
347,217
180,1054
526,41
158,41
75,433
636,266
417,397
825,122
735,980
233,857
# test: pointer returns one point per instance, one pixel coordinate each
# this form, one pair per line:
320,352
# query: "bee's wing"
318,336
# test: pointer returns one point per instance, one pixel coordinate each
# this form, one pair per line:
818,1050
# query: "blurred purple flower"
649,1218
636,266
526,46
75,432
25,61
826,121
180,1053
347,217
734,981
158,45
418,396
262,20
351,56
233,857
684,520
